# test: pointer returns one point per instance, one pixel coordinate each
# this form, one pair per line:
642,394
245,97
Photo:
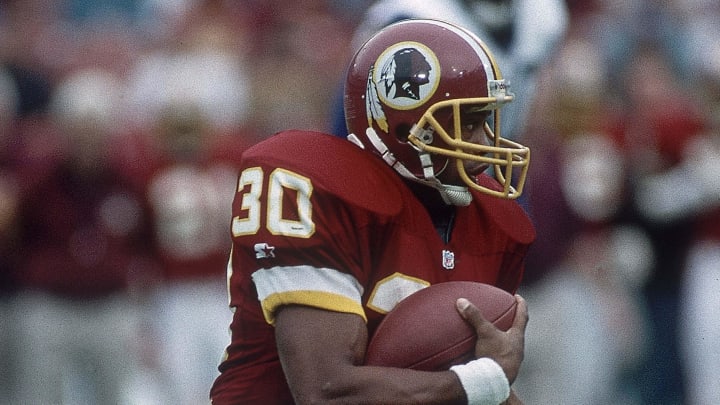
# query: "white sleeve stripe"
281,279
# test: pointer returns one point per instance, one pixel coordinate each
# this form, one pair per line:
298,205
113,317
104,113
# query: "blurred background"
122,122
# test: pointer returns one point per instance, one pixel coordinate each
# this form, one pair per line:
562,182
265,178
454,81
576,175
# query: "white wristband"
484,381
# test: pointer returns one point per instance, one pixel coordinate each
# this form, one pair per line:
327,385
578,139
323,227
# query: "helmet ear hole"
402,132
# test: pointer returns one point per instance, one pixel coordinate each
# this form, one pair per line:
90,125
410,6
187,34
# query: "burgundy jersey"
188,195
83,235
317,221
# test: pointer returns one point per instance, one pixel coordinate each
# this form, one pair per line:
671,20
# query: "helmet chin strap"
451,195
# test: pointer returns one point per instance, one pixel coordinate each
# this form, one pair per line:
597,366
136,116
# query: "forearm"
323,365
381,385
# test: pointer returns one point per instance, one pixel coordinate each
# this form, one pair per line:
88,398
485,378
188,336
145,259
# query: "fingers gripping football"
506,348
425,331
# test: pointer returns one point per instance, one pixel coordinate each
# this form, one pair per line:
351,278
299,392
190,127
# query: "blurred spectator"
188,196
588,265
662,120
81,238
9,196
24,93
190,100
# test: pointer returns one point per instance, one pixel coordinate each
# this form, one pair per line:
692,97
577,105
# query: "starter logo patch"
264,251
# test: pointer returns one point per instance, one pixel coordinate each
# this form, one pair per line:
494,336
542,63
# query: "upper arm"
316,346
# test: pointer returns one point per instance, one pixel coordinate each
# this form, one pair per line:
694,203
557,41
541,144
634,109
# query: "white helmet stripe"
477,45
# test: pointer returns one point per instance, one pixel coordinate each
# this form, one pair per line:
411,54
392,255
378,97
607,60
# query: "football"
425,332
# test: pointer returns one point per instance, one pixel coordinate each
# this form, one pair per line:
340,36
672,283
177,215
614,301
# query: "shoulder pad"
334,165
507,214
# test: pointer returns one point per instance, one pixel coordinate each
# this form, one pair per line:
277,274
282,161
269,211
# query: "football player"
330,234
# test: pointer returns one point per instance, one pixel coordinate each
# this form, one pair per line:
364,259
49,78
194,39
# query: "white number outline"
278,181
250,225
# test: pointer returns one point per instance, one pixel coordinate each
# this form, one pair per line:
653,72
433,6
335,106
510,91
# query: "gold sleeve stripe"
316,299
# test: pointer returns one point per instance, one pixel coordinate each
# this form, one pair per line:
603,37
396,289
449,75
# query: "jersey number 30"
279,182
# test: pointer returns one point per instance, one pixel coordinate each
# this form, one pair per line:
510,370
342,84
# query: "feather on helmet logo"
404,77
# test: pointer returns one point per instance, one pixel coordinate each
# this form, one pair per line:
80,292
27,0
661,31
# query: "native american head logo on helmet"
407,77
404,73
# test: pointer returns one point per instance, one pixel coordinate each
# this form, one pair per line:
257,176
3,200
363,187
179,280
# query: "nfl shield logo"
448,259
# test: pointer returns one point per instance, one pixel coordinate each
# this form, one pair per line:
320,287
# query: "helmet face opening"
413,93
507,158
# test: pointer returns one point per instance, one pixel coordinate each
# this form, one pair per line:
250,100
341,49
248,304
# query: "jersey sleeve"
301,230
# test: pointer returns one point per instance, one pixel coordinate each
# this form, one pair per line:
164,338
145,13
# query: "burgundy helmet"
406,90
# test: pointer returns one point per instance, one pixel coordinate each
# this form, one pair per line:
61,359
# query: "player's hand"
506,348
